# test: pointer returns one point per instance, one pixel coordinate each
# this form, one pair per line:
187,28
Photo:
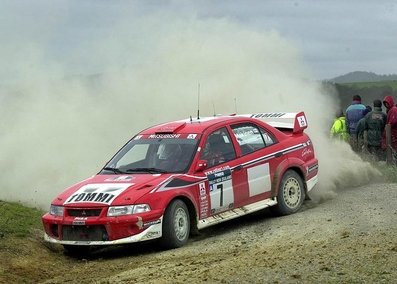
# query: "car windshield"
165,155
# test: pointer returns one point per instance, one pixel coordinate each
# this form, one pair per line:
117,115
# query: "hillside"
369,91
362,76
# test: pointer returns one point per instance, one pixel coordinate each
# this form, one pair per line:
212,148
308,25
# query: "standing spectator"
361,128
339,129
375,122
353,114
391,110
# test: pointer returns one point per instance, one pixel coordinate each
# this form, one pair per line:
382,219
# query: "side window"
218,148
251,138
267,137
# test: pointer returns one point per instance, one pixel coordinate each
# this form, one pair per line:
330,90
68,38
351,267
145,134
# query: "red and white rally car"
178,177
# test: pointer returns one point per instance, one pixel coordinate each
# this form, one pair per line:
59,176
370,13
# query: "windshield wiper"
115,170
146,170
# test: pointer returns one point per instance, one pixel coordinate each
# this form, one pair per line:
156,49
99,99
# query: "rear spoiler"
289,120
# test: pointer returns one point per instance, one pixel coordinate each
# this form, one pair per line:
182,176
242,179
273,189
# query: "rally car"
179,177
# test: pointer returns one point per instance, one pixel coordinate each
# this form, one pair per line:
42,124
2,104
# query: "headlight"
56,210
127,209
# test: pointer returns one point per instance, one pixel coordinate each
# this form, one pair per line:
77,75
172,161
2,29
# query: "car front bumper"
102,231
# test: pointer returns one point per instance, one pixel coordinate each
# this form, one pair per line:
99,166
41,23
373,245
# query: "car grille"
84,212
84,233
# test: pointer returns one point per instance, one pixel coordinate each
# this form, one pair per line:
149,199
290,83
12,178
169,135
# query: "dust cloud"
57,128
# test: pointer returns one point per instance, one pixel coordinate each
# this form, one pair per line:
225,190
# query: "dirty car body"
179,177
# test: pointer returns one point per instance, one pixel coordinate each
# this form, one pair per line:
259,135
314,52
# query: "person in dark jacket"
391,119
353,115
360,128
375,122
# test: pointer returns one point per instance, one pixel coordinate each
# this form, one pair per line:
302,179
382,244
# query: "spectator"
361,128
353,114
391,119
339,129
375,122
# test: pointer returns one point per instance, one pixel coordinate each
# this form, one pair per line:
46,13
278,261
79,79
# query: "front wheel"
291,194
176,225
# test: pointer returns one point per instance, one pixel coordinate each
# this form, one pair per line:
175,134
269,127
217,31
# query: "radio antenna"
198,102
213,106
235,105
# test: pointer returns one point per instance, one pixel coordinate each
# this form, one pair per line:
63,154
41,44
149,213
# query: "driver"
169,155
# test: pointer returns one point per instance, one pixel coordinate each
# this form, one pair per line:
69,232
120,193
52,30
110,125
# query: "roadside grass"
24,256
17,220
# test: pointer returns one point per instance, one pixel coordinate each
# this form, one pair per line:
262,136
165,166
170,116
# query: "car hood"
102,190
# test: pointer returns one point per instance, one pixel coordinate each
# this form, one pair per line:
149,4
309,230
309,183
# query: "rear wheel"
176,225
291,194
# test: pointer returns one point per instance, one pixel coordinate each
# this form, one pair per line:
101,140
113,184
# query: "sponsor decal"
138,137
273,114
202,189
219,177
217,170
204,204
221,190
302,121
306,152
192,136
79,221
120,178
98,193
158,136
152,235
245,133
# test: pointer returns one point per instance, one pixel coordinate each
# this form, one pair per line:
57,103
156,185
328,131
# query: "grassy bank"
17,220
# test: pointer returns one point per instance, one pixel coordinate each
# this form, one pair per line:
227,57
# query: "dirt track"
350,238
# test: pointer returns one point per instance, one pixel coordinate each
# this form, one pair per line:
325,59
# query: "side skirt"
234,213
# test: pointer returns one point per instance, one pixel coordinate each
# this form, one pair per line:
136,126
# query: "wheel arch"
290,164
192,211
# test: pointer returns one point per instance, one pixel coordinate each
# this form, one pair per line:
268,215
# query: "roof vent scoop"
170,128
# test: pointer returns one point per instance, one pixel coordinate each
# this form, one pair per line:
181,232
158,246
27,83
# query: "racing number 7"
220,187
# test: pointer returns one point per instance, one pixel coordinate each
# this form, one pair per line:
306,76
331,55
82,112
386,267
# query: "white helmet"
169,151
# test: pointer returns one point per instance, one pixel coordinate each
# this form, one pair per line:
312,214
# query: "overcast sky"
332,37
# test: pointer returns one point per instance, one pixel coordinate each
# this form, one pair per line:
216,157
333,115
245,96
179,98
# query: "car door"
256,159
220,155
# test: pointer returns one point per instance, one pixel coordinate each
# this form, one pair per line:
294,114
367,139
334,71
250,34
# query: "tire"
176,225
291,194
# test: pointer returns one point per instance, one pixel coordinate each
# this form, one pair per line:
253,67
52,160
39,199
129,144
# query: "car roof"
196,125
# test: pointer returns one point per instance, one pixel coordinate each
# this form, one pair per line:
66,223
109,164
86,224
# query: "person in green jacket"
339,128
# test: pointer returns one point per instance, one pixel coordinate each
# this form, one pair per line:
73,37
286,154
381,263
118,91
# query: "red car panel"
185,175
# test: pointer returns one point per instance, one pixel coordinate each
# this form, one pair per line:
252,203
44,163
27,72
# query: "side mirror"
201,165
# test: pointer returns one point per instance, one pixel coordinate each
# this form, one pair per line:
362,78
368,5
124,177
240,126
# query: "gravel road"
345,237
